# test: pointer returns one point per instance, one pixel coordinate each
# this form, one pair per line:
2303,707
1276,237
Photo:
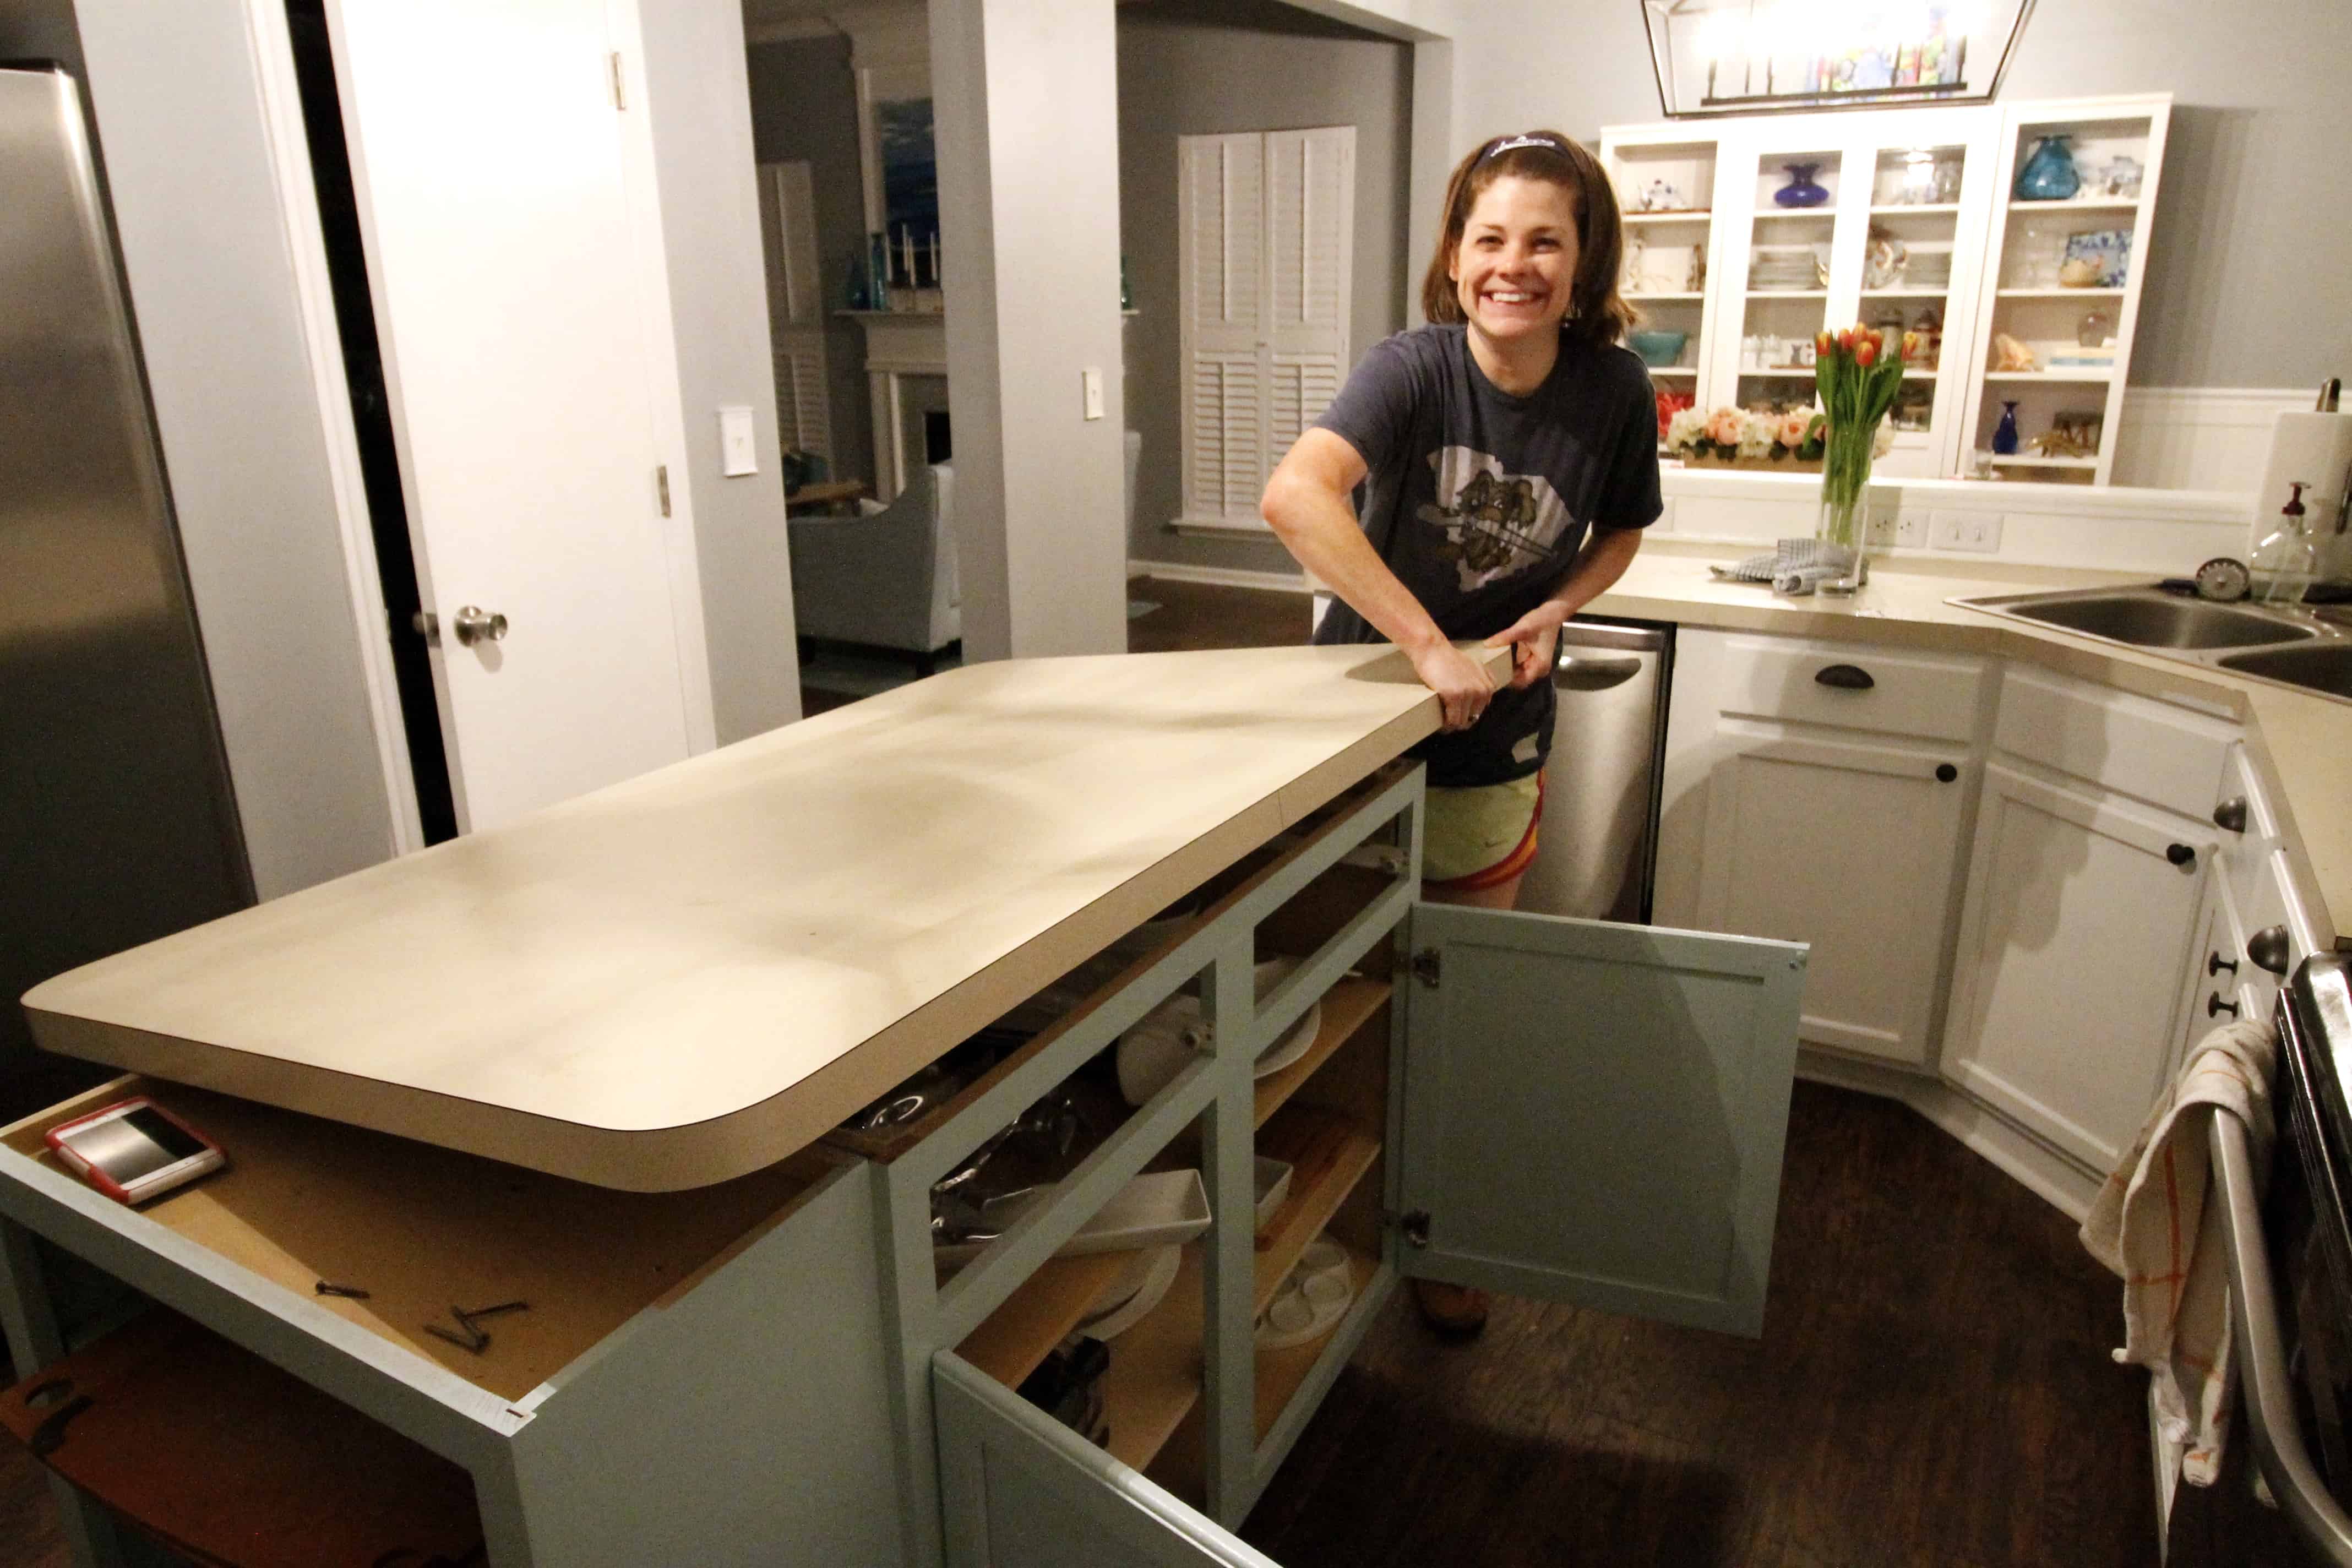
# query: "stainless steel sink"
2323,667
2296,646
2153,619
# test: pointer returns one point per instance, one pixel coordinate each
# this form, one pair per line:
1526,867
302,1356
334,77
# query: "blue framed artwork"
911,185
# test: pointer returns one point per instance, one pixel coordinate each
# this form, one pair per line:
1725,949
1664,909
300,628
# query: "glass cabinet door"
1796,191
1667,191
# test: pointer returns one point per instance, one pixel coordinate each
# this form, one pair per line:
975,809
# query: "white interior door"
493,157
795,300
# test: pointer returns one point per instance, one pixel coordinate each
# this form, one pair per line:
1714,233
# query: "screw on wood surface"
473,1339
348,1292
466,1318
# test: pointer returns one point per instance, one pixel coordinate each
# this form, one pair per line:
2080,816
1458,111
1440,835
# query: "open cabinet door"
1595,1113
1019,1490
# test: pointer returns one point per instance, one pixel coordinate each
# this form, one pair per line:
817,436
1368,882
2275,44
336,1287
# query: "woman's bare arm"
1306,504
1535,635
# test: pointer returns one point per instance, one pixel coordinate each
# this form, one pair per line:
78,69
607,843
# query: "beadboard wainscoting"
2199,437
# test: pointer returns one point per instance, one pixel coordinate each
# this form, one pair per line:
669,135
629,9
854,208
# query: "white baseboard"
2050,1176
1222,576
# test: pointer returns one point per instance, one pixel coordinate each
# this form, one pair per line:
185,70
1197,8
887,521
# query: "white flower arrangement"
1740,435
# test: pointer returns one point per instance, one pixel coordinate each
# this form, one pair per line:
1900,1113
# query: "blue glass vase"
2004,435
2049,174
1801,191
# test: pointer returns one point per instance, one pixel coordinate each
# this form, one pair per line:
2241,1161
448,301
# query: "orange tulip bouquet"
1857,373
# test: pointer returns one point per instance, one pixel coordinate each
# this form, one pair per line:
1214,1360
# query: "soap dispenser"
2286,564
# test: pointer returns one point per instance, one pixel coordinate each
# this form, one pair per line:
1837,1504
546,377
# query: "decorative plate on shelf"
2102,259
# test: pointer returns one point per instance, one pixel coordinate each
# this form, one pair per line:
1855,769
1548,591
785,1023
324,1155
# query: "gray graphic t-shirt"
1478,502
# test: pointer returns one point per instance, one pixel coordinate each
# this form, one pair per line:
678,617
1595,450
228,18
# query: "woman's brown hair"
1596,311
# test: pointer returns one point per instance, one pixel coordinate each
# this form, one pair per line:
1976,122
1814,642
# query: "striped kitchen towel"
2158,1222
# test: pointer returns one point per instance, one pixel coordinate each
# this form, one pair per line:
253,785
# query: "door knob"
2179,854
2215,963
2215,1006
473,624
2231,813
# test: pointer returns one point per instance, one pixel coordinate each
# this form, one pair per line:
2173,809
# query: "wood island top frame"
689,975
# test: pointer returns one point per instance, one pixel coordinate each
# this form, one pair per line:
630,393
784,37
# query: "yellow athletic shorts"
1480,837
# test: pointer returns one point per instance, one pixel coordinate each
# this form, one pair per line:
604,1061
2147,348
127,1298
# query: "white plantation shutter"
795,313
1266,226
1310,230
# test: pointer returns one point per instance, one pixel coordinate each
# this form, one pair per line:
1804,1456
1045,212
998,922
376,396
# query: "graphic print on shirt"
1496,523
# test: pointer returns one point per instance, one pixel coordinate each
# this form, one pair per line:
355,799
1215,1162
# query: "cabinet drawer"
1855,686
2127,744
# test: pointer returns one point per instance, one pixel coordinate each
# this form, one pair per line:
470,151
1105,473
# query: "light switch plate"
1090,380
736,453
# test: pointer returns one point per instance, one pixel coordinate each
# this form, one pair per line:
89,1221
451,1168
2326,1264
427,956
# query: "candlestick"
935,258
906,241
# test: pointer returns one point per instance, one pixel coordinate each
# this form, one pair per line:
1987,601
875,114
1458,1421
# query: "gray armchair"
886,579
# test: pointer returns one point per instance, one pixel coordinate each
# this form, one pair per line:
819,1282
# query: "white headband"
1524,142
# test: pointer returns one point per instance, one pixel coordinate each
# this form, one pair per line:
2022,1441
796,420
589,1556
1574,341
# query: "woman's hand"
1463,687
1533,638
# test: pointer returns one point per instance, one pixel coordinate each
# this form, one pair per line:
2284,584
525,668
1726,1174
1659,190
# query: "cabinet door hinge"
1413,1225
1426,966
620,93
661,487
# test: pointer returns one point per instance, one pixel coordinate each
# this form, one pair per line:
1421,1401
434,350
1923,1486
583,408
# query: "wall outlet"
1881,530
1090,393
1979,532
1910,531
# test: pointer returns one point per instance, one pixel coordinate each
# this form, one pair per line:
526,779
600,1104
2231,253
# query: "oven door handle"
2270,1401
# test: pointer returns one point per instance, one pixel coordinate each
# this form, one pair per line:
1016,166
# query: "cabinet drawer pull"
2215,963
1844,676
2215,1006
2230,815
2180,854
2268,949
1946,773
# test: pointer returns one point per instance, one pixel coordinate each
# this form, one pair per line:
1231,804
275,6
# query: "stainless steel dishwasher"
1599,840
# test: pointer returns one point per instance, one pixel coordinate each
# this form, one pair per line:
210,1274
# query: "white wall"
247,453
700,106
1024,105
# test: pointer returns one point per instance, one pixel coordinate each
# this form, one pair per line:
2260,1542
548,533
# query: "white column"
1025,102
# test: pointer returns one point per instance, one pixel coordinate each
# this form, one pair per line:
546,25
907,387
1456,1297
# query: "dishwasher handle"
2270,1400
1587,672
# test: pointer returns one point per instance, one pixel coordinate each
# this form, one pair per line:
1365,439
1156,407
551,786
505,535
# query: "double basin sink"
2297,646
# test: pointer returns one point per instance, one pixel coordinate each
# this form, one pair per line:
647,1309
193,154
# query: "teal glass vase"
2049,174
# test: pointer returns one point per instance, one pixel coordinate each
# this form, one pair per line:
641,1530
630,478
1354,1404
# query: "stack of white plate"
1785,267
1930,266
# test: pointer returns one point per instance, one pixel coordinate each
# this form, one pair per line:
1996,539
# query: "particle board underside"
689,975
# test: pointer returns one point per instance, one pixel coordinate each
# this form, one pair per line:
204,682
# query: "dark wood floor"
1933,1386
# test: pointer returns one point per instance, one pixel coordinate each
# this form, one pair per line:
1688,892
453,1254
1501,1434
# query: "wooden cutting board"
689,975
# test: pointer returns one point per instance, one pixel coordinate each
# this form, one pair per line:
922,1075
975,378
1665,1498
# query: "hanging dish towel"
2158,1224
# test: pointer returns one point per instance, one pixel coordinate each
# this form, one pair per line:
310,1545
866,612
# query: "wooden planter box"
1754,465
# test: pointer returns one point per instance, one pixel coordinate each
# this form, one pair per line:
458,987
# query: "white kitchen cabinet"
1919,219
2068,986
1820,792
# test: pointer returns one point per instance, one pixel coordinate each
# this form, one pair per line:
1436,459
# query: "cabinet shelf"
224,1455
2058,293
1915,209
1682,215
1905,293
1670,295
1281,1373
1154,1380
1788,293
2095,205
1659,370
1351,1002
2001,462
2099,377
1327,1155
1039,1315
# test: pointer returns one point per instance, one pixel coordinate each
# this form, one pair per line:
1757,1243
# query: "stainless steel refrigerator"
116,821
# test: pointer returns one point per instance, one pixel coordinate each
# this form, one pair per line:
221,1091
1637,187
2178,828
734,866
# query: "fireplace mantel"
899,343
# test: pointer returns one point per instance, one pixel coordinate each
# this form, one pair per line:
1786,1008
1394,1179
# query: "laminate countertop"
2301,742
689,975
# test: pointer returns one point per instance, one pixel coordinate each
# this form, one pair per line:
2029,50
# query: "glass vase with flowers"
1857,373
